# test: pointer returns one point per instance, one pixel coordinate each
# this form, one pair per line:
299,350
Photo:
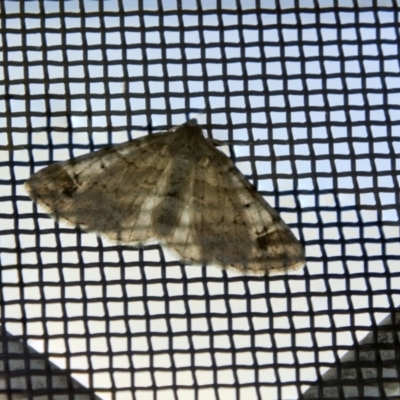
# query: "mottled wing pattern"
112,191
175,187
255,237
223,221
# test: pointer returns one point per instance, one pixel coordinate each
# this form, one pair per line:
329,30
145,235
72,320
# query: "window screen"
306,95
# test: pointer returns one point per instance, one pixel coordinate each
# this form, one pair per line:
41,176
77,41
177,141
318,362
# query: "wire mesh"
309,92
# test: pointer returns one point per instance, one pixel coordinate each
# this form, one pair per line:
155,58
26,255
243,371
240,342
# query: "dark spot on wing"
262,242
269,240
67,185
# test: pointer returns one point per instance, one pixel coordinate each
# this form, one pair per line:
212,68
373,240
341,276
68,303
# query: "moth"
175,188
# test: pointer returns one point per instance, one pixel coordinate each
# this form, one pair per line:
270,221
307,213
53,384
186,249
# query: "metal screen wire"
309,96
